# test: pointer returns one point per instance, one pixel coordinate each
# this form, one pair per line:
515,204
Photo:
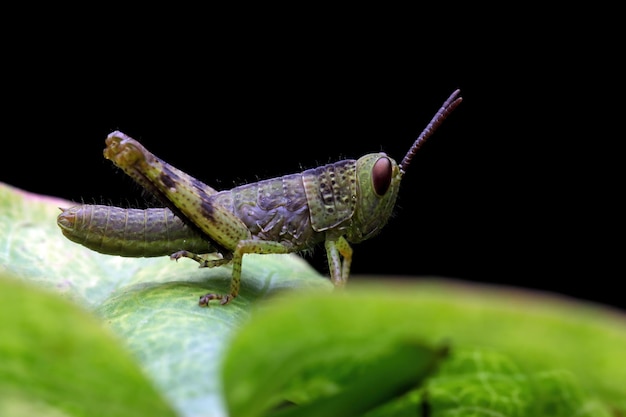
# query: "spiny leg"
339,271
135,160
189,198
243,247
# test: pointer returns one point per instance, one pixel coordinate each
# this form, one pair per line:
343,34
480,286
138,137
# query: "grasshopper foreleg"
335,249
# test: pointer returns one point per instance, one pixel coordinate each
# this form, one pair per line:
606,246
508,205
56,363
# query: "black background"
521,185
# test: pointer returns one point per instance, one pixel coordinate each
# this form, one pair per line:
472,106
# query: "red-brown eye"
381,176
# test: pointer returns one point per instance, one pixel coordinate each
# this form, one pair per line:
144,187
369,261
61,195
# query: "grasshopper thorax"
378,180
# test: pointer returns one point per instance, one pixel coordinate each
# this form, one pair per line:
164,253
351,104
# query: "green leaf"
58,360
305,351
512,354
151,304
375,382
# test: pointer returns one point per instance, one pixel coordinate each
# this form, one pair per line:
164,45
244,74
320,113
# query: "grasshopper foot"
204,300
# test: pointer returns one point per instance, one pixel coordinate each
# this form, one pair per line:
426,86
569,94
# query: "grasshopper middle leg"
243,247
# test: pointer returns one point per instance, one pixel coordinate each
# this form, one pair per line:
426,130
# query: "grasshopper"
339,203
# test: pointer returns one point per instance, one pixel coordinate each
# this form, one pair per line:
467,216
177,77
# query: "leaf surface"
288,341
151,304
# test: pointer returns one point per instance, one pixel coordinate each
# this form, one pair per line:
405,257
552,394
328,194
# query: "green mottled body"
295,210
130,232
334,203
347,201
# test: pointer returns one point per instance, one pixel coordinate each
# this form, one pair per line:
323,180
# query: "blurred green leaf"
58,360
150,303
376,382
512,353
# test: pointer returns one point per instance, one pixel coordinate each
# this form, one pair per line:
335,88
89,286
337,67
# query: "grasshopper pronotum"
338,203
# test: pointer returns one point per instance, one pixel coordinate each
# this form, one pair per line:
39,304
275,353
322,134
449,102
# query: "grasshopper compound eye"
381,176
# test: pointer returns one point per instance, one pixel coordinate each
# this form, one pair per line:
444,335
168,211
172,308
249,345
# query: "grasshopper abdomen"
130,232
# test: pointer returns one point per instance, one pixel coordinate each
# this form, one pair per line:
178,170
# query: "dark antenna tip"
447,107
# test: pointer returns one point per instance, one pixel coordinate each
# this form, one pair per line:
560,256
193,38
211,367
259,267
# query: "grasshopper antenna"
447,107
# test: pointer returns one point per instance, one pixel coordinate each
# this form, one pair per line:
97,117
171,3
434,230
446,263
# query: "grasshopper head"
378,180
